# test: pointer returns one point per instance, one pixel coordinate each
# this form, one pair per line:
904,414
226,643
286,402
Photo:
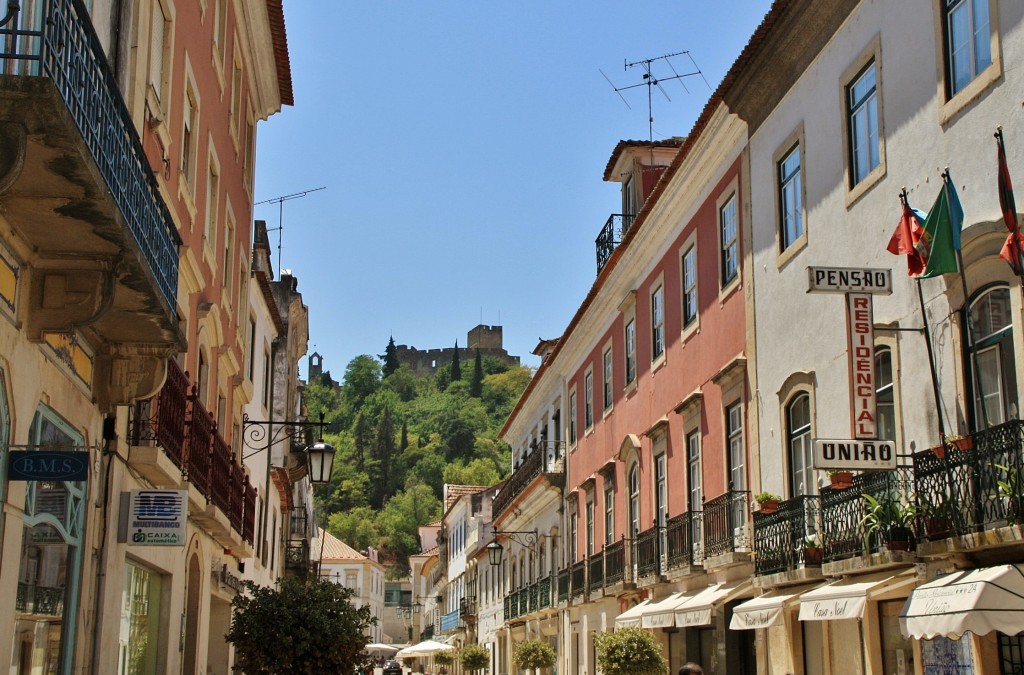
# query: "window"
885,400
737,453
995,385
630,351
660,488
189,135
212,202
572,418
657,322
968,47
728,222
51,553
798,440
634,500
696,483
609,512
862,116
588,406
266,379
573,534
607,360
590,525
689,286
227,269
160,38
220,29
203,377
140,621
249,148
236,97
250,362
791,218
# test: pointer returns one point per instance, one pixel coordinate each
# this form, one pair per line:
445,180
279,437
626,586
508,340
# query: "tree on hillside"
362,378
476,385
404,513
403,382
456,371
357,527
390,357
480,471
270,628
502,390
362,438
458,424
403,444
384,453
323,398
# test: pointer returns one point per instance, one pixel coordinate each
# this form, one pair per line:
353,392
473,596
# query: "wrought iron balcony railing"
726,526
296,555
578,578
615,564
844,531
781,539
595,572
611,235
45,600
545,459
648,547
544,592
299,523
161,419
563,585
684,535
976,484
58,42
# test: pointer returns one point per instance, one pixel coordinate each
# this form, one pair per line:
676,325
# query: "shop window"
140,621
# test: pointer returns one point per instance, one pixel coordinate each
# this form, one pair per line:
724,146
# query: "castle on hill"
486,339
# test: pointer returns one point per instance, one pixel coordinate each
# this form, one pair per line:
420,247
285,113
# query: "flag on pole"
906,240
942,231
1012,249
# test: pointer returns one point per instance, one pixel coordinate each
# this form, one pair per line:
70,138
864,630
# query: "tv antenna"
280,215
650,80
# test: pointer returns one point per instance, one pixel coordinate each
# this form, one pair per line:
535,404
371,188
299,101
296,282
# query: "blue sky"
462,146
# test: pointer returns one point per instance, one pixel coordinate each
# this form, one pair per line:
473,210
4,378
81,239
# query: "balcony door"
994,382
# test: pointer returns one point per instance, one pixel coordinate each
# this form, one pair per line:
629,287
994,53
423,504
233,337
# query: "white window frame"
607,378
870,57
728,206
588,399
657,307
689,275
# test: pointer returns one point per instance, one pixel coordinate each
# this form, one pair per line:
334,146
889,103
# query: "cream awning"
845,599
632,616
697,610
661,614
766,610
980,601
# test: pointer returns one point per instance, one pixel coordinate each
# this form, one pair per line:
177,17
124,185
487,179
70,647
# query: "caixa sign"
48,465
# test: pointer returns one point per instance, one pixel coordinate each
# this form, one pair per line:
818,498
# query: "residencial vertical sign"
861,339
858,285
156,517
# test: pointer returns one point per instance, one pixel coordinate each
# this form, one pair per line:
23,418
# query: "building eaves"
624,145
279,36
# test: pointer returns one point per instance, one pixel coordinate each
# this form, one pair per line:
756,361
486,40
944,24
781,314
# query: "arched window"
995,384
885,401
798,442
634,500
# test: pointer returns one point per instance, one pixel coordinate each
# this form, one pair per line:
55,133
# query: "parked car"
392,668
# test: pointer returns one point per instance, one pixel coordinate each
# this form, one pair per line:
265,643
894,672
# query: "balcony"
563,585
648,547
467,609
726,529
611,236
683,534
595,573
547,460
299,523
780,544
578,578
175,442
99,246
296,557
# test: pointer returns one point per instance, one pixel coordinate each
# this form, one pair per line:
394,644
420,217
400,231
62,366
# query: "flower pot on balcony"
814,556
939,451
841,479
900,538
769,506
936,527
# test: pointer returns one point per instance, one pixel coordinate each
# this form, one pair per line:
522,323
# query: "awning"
425,648
698,609
980,601
845,599
766,610
661,614
631,617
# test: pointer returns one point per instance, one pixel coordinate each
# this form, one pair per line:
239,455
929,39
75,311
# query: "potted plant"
630,651
889,518
956,441
1011,488
937,517
768,502
533,654
840,478
814,554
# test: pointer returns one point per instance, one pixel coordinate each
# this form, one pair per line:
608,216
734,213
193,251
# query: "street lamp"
260,435
495,551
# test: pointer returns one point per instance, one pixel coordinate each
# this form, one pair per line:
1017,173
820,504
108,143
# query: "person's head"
691,668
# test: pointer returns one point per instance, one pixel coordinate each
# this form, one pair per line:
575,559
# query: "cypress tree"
476,385
390,357
456,367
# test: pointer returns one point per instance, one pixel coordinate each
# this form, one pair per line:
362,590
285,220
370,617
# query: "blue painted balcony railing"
58,42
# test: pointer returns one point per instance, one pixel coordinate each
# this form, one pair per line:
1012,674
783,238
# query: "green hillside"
401,437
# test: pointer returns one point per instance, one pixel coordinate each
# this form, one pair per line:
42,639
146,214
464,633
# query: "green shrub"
474,657
533,654
629,651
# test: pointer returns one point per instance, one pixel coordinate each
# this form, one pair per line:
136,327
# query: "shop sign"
849,280
157,517
26,465
861,349
854,454
450,621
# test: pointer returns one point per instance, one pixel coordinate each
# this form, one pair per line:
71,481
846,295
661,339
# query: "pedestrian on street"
691,668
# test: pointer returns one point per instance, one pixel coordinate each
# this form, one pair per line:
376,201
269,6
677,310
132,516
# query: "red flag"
906,240
1011,251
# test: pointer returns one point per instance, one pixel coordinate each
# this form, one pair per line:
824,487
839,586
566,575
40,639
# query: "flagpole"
975,374
928,343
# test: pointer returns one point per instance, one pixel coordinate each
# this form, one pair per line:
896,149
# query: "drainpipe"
109,435
270,435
